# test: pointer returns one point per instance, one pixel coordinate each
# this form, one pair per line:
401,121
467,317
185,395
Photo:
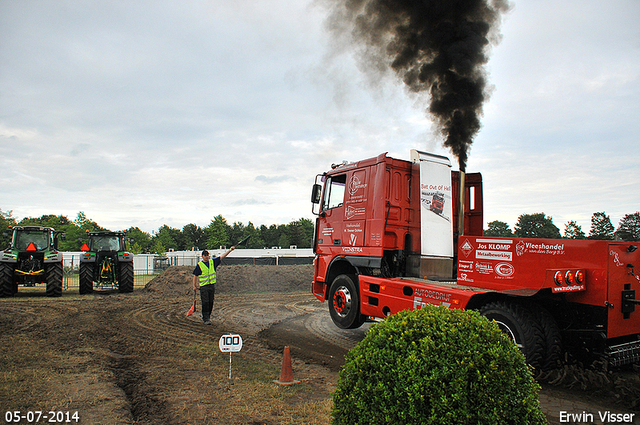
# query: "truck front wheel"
344,303
521,326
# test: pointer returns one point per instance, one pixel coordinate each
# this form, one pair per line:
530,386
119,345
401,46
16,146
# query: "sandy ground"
137,358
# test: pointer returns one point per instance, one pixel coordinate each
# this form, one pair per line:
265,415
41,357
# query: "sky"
149,113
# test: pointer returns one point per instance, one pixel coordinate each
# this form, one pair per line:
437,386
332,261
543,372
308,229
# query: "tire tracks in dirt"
27,318
267,323
132,337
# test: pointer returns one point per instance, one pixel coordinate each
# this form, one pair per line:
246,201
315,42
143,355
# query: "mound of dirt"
178,280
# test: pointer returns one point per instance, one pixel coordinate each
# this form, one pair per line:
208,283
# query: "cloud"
150,113
272,179
249,202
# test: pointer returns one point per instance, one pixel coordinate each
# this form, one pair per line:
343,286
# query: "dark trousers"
207,295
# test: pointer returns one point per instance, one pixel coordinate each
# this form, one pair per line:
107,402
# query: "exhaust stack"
462,201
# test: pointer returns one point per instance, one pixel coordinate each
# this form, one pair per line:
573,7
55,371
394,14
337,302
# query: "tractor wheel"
86,278
125,277
521,326
7,281
344,302
53,273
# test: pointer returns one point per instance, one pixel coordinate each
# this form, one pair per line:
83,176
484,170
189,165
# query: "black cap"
205,253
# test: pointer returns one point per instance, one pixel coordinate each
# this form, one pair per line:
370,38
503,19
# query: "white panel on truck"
436,204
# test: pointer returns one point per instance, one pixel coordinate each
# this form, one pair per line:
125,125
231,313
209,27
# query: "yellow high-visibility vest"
208,275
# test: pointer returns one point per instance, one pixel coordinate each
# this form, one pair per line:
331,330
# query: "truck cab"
389,236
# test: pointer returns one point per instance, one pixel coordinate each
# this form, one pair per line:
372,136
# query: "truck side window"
334,192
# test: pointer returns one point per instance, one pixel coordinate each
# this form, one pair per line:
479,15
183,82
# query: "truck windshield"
39,239
106,243
334,192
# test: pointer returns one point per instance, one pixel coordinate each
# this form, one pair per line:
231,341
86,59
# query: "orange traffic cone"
286,374
193,308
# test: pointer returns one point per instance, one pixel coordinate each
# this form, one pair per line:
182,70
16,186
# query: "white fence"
151,263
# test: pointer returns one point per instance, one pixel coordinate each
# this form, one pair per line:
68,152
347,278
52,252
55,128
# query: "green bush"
436,366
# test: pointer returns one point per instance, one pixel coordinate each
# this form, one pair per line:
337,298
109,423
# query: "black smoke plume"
434,46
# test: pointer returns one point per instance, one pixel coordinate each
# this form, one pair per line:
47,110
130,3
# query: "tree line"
299,232
541,226
218,233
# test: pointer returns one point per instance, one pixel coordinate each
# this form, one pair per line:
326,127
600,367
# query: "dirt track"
136,358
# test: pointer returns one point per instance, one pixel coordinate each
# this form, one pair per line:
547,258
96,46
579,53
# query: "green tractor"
105,263
32,258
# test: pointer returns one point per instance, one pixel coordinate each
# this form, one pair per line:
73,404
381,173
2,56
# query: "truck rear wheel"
53,273
344,302
521,326
86,278
125,277
552,357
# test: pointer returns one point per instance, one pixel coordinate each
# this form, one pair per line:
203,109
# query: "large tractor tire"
344,302
7,281
125,277
521,326
86,278
53,274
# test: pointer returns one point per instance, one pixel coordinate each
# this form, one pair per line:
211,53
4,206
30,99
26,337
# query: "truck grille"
623,354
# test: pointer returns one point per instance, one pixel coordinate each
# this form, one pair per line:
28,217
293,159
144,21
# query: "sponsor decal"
505,269
466,248
352,249
571,288
434,201
434,295
328,231
465,266
418,303
616,259
352,229
494,255
465,277
355,184
424,297
494,249
504,241
539,248
484,268
352,211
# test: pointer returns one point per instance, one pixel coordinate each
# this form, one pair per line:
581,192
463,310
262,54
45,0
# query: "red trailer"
389,236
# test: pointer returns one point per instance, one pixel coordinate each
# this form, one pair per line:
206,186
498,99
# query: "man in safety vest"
204,279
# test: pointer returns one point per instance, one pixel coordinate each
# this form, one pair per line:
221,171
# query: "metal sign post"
230,343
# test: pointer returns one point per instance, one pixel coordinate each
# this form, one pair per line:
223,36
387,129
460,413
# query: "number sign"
230,343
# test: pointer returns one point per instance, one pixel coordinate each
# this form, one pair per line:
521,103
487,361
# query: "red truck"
389,236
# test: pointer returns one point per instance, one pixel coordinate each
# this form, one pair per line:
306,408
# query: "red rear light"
558,278
570,278
580,276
